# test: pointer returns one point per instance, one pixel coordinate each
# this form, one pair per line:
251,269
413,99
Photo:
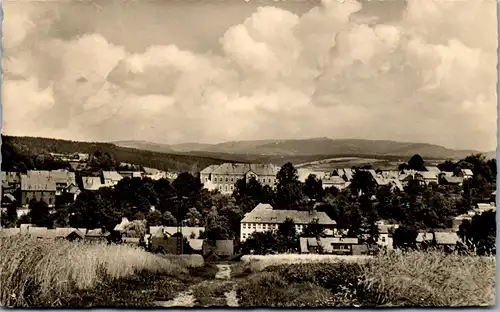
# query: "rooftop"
262,214
241,169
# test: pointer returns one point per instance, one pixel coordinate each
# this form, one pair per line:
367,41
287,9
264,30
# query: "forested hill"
27,152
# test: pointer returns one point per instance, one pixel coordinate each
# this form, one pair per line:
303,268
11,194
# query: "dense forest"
28,153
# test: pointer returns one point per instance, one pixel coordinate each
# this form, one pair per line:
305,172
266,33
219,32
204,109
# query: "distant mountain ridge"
313,146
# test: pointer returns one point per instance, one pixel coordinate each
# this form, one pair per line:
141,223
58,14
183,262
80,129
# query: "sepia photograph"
248,153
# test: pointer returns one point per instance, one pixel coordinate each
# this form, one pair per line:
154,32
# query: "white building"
264,218
225,176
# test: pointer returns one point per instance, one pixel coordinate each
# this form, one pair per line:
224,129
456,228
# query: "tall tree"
313,229
287,237
480,234
95,210
289,195
416,162
39,214
313,187
363,182
405,237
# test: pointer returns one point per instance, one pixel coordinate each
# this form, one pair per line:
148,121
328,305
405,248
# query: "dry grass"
431,279
39,272
413,279
257,263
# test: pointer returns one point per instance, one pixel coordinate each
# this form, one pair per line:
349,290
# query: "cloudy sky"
216,70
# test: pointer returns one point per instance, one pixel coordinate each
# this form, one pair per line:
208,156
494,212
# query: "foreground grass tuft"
41,273
430,279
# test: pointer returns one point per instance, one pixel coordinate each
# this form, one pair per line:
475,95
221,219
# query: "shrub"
269,289
39,272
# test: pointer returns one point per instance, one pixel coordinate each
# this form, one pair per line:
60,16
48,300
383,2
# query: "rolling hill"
308,147
26,149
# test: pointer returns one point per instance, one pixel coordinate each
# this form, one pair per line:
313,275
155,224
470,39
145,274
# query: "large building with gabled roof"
264,218
224,177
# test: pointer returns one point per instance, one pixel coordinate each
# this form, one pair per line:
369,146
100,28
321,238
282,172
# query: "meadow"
417,279
46,273
41,273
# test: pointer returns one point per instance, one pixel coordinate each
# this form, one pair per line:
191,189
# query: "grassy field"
36,273
409,279
39,273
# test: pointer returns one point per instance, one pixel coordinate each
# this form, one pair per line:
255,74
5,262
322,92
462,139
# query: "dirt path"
224,271
184,299
187,299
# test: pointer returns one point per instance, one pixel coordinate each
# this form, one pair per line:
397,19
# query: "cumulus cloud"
429,76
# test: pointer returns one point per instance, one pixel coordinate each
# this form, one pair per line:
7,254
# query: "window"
253,226
232,179
225,187
206,179
231,187
227,179
269,180
383,239
50,201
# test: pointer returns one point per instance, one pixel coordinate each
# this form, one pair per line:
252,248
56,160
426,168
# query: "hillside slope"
309,147
26,149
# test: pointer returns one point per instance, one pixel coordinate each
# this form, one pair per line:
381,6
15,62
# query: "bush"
40,272
333,276
269,289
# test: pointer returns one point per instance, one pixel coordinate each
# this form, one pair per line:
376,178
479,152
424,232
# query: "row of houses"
66,233
47,186
264,218
224,177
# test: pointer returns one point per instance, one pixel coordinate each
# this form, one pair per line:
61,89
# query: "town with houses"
49,186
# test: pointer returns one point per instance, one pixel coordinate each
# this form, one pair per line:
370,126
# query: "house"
424,239
196,245
264,218
93,183
9,232
348,174
70,234
467,173
427,177
405,178
190,232
446,240
304,173
154,174
226,175
95,234
130,174
456,221
483,207
11,181
111,177
385,235
334,181
63,179
447,180
39,187
327,245
432,169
